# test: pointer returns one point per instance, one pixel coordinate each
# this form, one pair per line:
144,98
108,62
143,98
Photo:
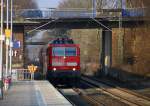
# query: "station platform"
33,93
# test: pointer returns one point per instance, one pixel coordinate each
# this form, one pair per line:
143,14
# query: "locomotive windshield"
70,51
64,51
58,51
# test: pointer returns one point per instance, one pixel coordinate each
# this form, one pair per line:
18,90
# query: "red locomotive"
61,59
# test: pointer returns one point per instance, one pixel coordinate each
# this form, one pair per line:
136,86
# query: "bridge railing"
32,13
64,13
52,13
135,12
78,13
108,13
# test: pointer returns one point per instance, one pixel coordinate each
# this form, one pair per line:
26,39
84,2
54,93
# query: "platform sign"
32,68
16,44
7,33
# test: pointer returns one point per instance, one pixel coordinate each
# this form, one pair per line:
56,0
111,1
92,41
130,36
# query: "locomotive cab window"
62,51
70,51
58,51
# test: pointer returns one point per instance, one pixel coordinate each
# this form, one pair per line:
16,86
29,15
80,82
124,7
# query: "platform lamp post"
2,37
11,43
7,34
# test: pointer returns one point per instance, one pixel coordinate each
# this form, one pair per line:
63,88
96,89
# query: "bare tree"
23,4
88,4
76,4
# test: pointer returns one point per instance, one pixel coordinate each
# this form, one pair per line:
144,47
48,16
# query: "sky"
48,3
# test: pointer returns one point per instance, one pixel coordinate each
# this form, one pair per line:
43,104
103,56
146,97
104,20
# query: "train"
60,59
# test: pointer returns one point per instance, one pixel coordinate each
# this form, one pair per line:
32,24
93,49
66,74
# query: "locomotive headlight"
74,69
54,69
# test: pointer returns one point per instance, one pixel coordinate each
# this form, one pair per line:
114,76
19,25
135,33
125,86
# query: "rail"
91,100
122,89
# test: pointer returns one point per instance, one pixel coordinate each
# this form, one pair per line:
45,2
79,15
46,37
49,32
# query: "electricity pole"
11,43
7,46
1,51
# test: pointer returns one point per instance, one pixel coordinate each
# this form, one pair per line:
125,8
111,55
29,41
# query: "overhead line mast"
1,51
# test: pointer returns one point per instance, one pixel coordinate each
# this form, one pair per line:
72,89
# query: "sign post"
11,43
32,69
7,77
8,35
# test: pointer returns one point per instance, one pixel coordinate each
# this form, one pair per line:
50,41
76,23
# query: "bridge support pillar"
106,51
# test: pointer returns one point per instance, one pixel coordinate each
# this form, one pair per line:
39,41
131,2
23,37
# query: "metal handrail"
22,74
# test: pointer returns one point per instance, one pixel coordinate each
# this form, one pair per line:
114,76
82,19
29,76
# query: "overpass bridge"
104,13
35,19
79,18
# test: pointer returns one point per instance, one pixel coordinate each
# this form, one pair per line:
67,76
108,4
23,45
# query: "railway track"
88,98
120,94
96,98
123,89
91,100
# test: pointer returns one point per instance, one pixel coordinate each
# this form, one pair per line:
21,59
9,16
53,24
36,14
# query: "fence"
22,74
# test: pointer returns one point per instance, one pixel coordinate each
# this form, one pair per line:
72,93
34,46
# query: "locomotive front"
63,59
